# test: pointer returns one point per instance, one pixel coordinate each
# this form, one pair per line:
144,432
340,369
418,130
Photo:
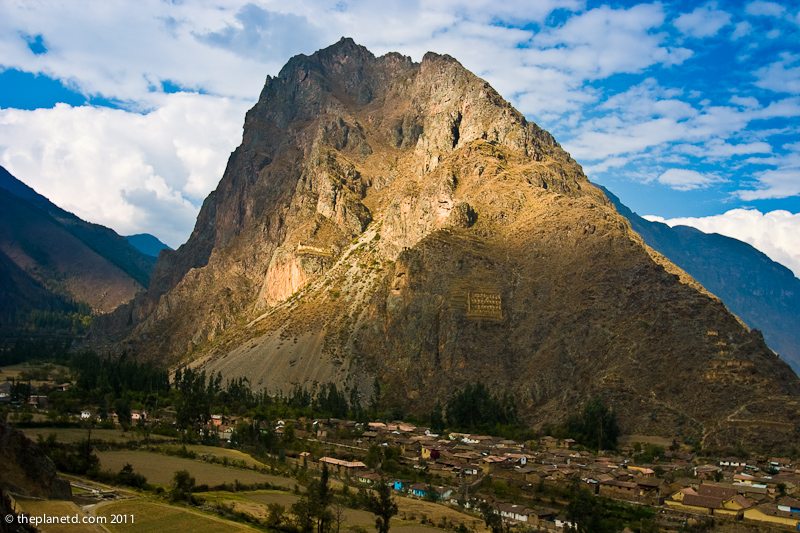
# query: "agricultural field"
56,508
159,469
36,373
414,509
411,511
219,454
163,518
73,435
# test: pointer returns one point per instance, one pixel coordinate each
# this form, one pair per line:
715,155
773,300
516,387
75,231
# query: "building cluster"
763,490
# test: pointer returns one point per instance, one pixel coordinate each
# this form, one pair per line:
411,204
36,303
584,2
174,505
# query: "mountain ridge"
401,222
53,260
147,244
764,293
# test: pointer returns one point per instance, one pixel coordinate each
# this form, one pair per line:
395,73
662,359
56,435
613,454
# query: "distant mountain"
104,241
52,262
763,293
147,244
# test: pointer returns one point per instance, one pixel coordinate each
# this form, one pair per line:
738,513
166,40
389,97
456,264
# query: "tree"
322,500
275,515
492,518
127,476
585,512
182,486
382,506
437,420
311,511
596,427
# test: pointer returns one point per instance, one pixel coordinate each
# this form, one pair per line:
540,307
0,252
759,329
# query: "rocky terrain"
50,259
765,294
401,221
26,470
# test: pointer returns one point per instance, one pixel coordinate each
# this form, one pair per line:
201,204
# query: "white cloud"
745,101
132,172
782,76
776,233
705,21
765,9
741,29
781,181
682,179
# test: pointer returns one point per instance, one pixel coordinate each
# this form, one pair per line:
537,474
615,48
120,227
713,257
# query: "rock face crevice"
401,220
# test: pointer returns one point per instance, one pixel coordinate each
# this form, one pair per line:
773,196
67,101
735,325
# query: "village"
524,482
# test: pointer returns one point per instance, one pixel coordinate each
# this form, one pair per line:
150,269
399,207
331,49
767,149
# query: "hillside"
52,260
400,221
763,293
26,470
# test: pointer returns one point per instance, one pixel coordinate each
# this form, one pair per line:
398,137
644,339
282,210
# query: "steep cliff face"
401,220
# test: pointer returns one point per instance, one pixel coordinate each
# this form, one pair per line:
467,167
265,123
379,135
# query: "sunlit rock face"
400,220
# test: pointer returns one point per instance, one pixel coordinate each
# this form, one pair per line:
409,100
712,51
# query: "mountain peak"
402,221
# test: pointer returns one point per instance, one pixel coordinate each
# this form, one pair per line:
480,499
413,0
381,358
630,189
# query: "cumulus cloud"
704,21
133,172
682,179
776,233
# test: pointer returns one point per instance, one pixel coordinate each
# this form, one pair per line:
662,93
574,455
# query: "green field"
159,469
73,435
162,518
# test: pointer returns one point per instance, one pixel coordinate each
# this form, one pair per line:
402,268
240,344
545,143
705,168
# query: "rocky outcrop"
25,470
400,220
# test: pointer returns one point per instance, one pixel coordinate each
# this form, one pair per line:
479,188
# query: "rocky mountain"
147,244
51,260
401,221
763,293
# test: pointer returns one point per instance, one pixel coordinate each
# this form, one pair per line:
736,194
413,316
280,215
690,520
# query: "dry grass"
412,511
220,453
159,469
56,508
162,518
73,435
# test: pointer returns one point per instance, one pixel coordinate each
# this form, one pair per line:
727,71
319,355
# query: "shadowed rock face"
401,220
765,294
26,470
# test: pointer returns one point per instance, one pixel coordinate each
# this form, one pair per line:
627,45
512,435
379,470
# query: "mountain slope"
147,244
58,259
401,221
765,294
102,240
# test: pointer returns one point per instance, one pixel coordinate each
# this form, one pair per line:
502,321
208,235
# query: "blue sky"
126,112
